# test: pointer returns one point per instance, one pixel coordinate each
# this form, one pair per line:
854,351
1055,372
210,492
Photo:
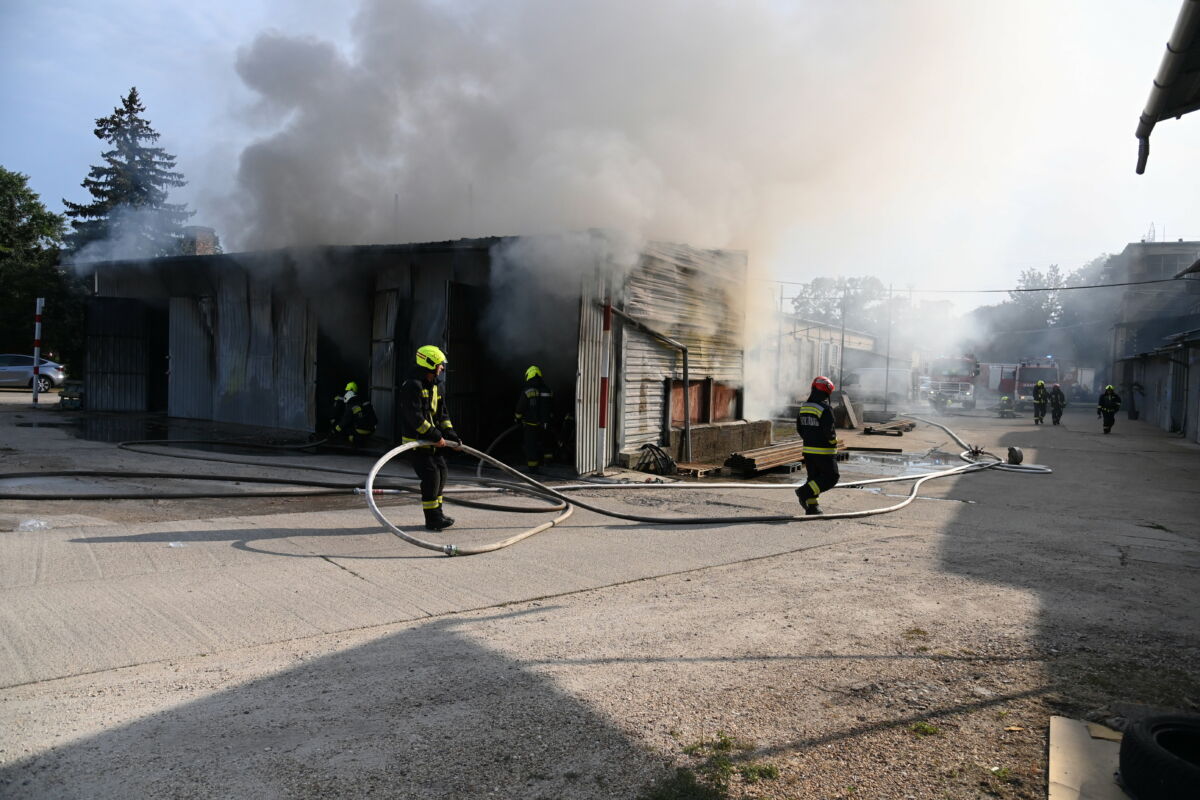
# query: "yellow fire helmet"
352,387
430,356
531,372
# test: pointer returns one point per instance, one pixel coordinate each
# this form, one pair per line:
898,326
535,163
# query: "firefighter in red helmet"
814,423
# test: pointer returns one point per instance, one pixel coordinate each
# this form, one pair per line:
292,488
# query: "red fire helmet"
823,384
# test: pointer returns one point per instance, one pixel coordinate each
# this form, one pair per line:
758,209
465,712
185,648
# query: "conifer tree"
129,216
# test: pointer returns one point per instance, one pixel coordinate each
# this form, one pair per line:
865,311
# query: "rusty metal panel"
116,355
190,375
695,297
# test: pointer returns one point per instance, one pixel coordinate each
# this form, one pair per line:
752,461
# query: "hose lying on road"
555,498
532,486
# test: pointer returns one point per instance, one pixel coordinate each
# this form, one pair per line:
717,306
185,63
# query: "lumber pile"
787,453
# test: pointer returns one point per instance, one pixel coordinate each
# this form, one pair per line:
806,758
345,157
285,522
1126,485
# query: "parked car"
17,370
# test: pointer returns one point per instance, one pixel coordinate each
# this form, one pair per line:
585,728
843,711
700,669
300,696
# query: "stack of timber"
787,453
896,428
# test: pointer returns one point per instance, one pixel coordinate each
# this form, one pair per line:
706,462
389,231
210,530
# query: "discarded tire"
1160,757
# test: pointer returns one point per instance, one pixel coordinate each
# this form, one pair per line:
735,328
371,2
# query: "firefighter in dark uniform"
1058,401
1040,398
535,413
814,423
423,417
354,416
1005,409
1107,406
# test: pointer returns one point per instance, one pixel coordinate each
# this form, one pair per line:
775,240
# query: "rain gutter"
1182,38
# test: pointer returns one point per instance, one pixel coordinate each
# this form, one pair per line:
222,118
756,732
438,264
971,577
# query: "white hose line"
1033,469
451,549
541,489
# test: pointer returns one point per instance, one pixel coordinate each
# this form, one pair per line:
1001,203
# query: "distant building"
1156,336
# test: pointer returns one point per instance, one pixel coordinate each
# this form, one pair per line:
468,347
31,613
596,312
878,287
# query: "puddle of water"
899,463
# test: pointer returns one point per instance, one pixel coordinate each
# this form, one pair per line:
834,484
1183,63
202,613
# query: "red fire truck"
952,378
1029,372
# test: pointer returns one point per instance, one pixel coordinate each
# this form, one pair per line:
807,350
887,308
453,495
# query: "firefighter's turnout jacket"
358,418
423,413
1109,403
814,423
535,406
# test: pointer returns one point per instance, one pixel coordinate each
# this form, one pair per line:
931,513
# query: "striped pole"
605,354
37,345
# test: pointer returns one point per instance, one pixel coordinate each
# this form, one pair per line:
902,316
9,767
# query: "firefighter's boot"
435,520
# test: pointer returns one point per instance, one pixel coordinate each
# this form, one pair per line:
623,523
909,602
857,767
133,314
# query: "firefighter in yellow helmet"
1107,407
423,417
535,413
1041,396
353,417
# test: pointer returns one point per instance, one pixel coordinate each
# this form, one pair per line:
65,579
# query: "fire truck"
1029,372
952,378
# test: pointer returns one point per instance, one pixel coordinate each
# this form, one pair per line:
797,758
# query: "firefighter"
814,423
1005,409
1107,406
535,413
1040,398
354,418
1058,401
423,417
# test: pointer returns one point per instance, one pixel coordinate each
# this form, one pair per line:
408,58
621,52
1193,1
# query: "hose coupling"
450,549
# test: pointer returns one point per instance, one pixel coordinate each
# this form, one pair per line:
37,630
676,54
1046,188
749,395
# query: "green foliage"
683,785
30,236
922,729
129,216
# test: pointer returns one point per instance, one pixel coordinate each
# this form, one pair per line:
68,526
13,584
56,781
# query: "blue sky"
933,143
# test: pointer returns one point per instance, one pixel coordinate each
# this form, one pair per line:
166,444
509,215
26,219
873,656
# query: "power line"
1005,291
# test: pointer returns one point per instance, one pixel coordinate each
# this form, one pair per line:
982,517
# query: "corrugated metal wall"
383,360
591,450
695,297
116,355
190,376
292,365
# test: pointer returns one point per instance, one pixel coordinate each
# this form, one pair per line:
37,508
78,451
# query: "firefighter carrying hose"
423,417
1005,408
814,423
1058,401
535,413
1040,398
353,417
1107,406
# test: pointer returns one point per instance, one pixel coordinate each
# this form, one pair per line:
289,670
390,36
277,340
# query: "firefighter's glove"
451,436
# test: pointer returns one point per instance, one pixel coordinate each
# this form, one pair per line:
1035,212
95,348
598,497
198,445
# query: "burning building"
641,346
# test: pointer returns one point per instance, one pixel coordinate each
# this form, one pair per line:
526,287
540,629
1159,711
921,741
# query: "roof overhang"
1176,88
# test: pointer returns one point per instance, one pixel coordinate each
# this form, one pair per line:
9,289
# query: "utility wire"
1002,291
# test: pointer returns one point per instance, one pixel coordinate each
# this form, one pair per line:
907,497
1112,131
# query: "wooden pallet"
697,470
896,428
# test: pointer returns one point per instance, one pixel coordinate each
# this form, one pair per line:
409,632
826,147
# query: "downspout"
1168,71
687,395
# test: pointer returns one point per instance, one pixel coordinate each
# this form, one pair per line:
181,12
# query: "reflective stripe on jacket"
814,423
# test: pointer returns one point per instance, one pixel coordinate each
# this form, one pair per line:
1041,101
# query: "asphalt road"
277,650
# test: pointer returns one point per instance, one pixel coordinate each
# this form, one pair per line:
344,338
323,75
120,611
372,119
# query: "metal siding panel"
116,355
293,390
587,380
190,384
695,297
